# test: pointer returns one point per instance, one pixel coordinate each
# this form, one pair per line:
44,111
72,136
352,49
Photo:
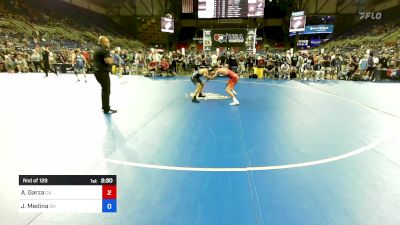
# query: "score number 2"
109,192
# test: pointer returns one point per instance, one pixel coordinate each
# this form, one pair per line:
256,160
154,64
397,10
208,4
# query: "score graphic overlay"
68,193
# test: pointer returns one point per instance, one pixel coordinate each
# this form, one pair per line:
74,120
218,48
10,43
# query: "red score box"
109,191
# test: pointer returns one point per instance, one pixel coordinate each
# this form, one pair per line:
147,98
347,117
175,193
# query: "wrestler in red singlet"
234,79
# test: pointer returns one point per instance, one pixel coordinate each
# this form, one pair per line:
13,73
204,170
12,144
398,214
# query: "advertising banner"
228,37
251,40
315,42
315,29
319,29
302,43
207,41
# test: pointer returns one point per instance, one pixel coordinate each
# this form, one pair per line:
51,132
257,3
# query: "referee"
102,63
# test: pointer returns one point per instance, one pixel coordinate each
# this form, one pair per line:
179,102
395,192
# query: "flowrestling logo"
229,38
370,15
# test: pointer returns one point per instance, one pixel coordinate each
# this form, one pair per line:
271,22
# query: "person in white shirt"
288,57
36,58
154,55
300,63
242,64
307,70
136,57
285,70
214,60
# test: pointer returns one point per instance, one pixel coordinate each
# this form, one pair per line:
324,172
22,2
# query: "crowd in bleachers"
27,27
318,64
350,63
31,23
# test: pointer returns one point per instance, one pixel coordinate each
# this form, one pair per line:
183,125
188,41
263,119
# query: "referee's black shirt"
98,60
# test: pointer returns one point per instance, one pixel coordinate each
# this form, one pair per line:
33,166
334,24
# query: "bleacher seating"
59,24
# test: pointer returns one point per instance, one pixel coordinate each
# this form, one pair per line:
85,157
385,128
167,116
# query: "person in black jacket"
232,62
46,62
251,60
102,62
222,60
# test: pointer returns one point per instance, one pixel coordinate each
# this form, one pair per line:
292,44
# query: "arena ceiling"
151,8
147,12
103,3
133,7
106,3
342,7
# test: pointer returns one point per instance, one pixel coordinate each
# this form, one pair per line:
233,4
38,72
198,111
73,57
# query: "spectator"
319,74
250,61
9,64
363,65
242,64
326,65
270,71
335,65
285,70
36,59
21,64
2,62
117,63
164,66
79,63
46,57
307,70
370,66
232,62
222,60
152,67
179,62
214,60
